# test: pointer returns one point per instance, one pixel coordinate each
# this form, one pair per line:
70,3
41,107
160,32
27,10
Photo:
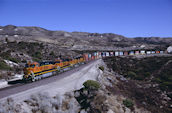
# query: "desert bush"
36,60
13,59
5,55
128,103
101,68
132,74
4,66
37,55
22,45
158,80
91,84
166,85
52,53
147,74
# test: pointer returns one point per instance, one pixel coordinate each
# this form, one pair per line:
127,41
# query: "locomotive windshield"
32,65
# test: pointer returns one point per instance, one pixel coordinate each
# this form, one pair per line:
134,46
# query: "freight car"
38,70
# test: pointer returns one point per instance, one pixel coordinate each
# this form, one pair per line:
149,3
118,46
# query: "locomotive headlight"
26,71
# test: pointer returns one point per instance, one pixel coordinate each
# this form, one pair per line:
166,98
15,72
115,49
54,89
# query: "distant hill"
81,40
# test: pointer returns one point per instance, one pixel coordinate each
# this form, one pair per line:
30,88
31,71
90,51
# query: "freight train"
38,70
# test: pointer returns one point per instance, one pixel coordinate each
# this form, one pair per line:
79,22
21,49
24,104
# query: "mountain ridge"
81,40
95,33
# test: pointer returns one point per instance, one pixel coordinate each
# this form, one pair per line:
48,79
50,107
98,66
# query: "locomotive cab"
30,68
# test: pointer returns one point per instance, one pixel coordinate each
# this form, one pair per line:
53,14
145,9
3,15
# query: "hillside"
80,40
139,84
72,94
149,81
110,93
21,44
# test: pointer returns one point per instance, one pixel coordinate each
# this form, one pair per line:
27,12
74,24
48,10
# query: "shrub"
91,84
4,66
5,55
147,74
37,55
52,53
13,59
128,103
101,68
132,74
158,80
36,59
166,85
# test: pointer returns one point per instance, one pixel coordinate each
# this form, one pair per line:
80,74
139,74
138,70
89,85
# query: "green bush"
52,53
13,59
37,55
101,68
128,103
165,85
147,74
4,66
91,84
36,59
132,74
6,55
158,80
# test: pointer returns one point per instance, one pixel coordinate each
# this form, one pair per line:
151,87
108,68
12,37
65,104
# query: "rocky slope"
148,81
21,52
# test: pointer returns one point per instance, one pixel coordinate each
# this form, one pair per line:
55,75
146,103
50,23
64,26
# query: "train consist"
95,55
38,70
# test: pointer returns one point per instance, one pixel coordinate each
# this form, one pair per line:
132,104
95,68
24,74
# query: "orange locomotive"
38,70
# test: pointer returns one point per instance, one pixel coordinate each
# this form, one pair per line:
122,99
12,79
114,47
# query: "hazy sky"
130,18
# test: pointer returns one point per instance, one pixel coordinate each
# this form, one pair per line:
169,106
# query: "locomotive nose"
26,71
